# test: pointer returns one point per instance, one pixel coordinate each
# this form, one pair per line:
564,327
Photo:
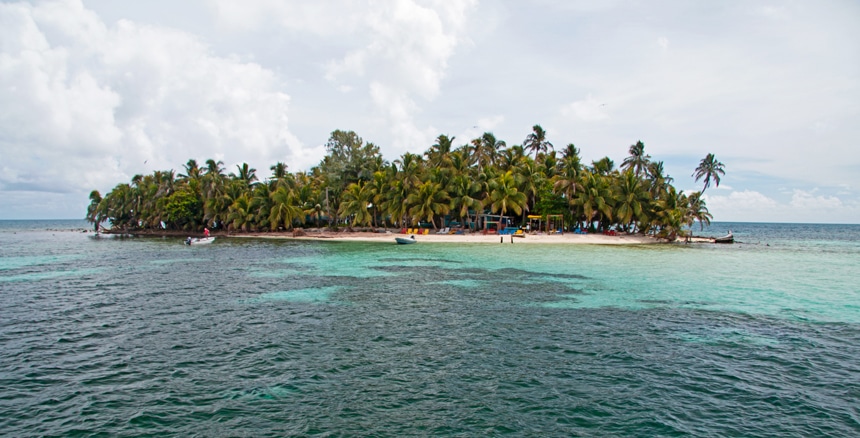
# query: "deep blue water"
249,337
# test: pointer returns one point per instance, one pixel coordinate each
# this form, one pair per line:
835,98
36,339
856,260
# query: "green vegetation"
354,186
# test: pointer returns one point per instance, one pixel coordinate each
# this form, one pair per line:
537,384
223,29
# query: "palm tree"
241,213
463,192
482,174
668,213
279,174
119,206
192,170
570,151
429,201
247,175
508,159
657,173
216,209
632,199
166,182
710,169
95,211
569,169
566,180
603,166
697,210
595,196
536,141
355,201
658,181
485,149
262,204
549,164
377,186
439,154
530,178
285,209
213,187
638,160
395,201
214,170
505,196
410,168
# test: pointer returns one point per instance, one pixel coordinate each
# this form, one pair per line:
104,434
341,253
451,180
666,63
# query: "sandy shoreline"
475,238
567,238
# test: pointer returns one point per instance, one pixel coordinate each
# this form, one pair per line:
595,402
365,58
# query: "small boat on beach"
728,238
405,241
199,241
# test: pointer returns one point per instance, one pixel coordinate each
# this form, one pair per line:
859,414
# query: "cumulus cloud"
745,200
808,200
85,105
801,206
397,110
88,99
397,50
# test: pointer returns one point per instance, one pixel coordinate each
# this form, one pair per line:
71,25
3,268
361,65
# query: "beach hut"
549,223
494,222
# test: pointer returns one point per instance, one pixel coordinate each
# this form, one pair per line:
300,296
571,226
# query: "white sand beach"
536,238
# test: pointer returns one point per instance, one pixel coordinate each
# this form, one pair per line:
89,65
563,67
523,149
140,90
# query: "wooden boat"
728,238
405,241
199,241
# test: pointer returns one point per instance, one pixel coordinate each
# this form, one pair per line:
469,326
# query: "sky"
95,92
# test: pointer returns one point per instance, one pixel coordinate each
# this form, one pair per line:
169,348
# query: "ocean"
123,336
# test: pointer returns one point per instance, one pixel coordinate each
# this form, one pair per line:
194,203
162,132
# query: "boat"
728,238
405,241
199,241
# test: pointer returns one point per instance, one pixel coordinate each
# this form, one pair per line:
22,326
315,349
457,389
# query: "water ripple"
251,338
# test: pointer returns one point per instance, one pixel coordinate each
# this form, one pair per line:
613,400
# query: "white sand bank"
567,238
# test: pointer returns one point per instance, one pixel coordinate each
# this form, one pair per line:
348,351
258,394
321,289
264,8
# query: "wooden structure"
548,223
493,221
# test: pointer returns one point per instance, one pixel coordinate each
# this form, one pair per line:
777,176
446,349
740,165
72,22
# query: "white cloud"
83,105
741,201
802,206
809,201
586,110
89,90
396,50
397,110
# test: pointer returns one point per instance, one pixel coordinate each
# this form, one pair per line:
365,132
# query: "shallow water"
146,336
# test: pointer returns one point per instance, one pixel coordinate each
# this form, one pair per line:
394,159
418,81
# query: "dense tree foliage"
354,186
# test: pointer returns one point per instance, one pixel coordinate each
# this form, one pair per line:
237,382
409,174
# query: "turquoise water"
146,336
